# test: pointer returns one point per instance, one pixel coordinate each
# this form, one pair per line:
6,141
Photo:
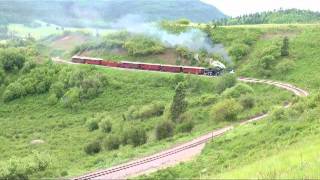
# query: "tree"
285,47
12,59
179,104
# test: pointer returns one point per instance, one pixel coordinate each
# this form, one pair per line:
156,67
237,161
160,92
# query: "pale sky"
239,7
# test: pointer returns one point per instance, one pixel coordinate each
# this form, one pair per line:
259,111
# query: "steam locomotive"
218,70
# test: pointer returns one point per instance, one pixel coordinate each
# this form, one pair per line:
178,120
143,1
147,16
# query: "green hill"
285,145
288,16
99,13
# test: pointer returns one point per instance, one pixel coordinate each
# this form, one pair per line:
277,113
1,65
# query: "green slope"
288,16
284,145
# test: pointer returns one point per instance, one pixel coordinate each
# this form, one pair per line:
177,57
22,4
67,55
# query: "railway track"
178,154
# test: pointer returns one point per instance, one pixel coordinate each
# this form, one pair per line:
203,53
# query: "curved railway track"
179,153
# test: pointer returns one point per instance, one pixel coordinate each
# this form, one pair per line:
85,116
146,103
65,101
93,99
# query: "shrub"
52,99
112,142
183,21
23,168
226,110
267,62
237,91
179,104
164,130
14,91
153,109
143,45
92,124
58,89
28,66
185,125
12,59
93,147
135,136
247,101
238,51
205,100
278,113
72,98
226,81
285,66
105,125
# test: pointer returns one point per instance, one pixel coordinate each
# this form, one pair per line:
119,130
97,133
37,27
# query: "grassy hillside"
285,144
71,13
66,113
288,16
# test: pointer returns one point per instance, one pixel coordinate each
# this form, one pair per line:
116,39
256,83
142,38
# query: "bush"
58,89
92,124
93,148
278,113
238,51
135,136
143,45
14,91
247,101
226,110
23,168
112,142
105,125
285,66
151,110
237,91
186,126
179,104
28,66
206,100
164,130
72,98
267,62
226,81
12,59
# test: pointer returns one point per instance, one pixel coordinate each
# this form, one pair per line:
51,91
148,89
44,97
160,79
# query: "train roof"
87,58
193,67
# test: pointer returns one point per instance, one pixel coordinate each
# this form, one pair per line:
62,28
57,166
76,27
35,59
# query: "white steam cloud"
194,39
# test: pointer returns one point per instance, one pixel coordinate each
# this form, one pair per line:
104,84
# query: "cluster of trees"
272,59
69,85
23,168
111,138
175,27
135,44
141,45
277,17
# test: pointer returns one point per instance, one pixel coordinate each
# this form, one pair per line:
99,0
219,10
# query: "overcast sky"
239,7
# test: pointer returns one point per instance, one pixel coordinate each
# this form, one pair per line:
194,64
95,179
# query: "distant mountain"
281,16
101,12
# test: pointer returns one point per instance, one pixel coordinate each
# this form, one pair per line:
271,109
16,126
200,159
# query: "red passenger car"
150,67
95,61
130,65
78,59
193,70
171,68
110,63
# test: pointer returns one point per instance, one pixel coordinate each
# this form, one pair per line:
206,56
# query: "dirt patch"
69,42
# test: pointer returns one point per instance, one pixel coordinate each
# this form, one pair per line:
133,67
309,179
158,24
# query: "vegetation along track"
182,152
